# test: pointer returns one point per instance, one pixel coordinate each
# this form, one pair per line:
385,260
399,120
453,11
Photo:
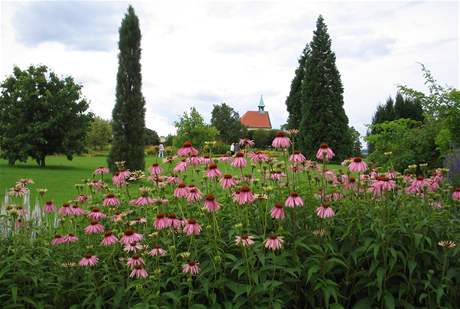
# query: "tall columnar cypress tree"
294,100
128,115
323,117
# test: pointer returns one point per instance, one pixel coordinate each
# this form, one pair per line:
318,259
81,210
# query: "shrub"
452,162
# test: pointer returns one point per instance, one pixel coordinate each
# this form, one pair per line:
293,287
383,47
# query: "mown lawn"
59,176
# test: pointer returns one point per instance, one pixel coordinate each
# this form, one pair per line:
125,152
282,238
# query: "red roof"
253,119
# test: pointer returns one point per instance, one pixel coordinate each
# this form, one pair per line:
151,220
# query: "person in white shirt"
161,150
232,149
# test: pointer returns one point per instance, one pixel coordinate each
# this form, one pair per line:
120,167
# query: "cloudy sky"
200,53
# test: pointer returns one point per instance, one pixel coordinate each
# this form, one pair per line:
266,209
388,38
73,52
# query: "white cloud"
203,53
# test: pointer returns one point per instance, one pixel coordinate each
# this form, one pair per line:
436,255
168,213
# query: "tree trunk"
41,161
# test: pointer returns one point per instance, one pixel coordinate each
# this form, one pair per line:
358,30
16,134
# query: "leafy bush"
452,163
216,148
402,142
262,138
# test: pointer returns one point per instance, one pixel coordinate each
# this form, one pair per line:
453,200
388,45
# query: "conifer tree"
294,100
323,117
128,115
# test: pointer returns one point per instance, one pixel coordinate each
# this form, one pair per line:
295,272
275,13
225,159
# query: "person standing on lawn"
161,150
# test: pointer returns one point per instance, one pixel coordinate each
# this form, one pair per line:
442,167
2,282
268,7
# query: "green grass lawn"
59,176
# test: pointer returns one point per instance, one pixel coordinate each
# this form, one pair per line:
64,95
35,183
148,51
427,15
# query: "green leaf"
389,300
14,293
311,271
364,303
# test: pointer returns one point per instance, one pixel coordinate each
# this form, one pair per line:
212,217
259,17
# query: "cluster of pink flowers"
187,150
281,141
245,189
239,161
243,196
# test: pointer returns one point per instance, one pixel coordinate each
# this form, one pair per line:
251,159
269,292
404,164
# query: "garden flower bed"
236,232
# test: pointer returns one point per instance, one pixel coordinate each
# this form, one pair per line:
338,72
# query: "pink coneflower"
155,169
49,207
187,150
206,160
135,261
57,240
97,185
456,194
324,211
88,260
18,191
432,184
194,160
277,175
357,165
373,174
258,157
142,201
417,185
330,176
133,247
157,251
436,205
180,167
244,240
296,168
117,217
138,220
192,227
101,170
65,210
334,196
274,242
69,238
173,179
297,157
118,179
239,161
109,239
77,210
293,200
245,196
111,200
246,142
82,198
277,211
193,194
161,222
94,228
124,173
350,183
210,203
139,272
130,236
192,267
324,152
391,174
96,214
213,171
227,181
181,190
225,158
281,141
173,221
382,183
